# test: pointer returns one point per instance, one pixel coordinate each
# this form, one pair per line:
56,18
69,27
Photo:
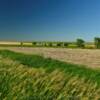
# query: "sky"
49,20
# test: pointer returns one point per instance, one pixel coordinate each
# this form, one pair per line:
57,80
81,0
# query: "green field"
32,77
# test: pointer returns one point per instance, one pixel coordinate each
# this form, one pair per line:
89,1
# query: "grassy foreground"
32,77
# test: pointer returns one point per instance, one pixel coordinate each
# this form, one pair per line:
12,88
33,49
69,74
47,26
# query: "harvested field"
86,57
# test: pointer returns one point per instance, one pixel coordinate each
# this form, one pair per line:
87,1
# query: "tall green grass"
50,64
32,77
19,82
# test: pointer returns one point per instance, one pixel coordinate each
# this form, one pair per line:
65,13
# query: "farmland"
32,77
49,73
88,57
49,50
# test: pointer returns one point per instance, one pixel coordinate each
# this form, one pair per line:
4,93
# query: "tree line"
80,43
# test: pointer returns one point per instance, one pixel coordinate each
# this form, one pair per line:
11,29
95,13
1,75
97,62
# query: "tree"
80,43
65,44
97,42
59,44
50,44
21,43
34,43
44,44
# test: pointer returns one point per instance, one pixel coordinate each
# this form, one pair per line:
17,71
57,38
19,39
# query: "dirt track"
87,57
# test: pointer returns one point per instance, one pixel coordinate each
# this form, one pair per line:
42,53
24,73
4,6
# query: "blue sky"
51,20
